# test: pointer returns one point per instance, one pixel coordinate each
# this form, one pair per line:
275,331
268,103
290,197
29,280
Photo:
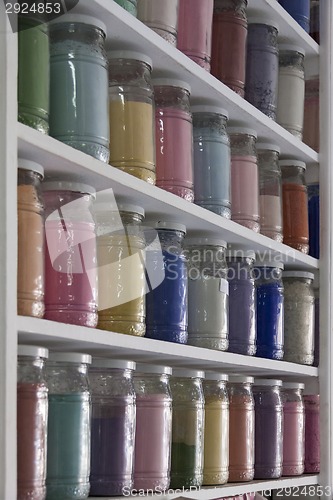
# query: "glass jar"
212,163
312,434
131,114
32,408
317,323
121,268
195,23
129,5
293,429
262,66
295,205
33,73
268,429
244,178
270,191
208,293
153,427
311,113
188,426
314,219
229,43
167,304
112,426
315,20
241,434
299,317
270,309
161,17
70,255
299,10
174,137
79,84
216,453
290,109
242,302
30,234
68,443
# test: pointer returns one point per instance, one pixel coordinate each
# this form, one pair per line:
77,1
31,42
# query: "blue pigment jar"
299,10
166,305
314,220
270,309
212,161
262,66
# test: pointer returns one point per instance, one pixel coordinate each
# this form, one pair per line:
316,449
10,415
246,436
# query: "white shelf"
60,159
125,31
59,336
209,493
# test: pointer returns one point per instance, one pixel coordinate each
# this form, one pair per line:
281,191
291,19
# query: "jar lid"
292,385
297,274
129,54
205,241
216,376
33,351
242,130
292,163
172,226
128,207
263,20
70,357
209,108
24,164
269,263
240,379
122,364
158,369
267,382
241,254
291,48
265,146
187,373
77,187
80,18
171,82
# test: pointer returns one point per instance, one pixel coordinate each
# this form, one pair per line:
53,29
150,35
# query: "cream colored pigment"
30,275
121,284
216,461
132,145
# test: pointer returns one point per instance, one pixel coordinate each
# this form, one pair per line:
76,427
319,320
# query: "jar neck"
127,74
210,260
77,32
268,273
243,145
30,369
211,121
172,97
171,241
293,174
29,177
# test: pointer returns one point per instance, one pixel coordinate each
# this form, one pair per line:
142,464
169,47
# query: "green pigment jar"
129,5
33,74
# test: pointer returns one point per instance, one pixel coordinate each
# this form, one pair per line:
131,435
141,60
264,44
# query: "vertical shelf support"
326,246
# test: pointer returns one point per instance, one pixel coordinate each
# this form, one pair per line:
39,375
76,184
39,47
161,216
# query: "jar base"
301,247
185,193
237,476
276,236
176,336
31,493
183,480
299,359
166,35
245,349
141,173
250,224
34,122
312,468
215,478
125,327
293,470
79,318
109,488
97,151
265,473
67,491
201,61
268,353
214,343
32,308
217,209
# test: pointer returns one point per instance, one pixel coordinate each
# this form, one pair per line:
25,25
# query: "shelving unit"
127,32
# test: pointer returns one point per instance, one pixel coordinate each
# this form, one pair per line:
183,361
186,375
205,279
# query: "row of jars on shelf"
148,430
144,126
240,50
95,264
